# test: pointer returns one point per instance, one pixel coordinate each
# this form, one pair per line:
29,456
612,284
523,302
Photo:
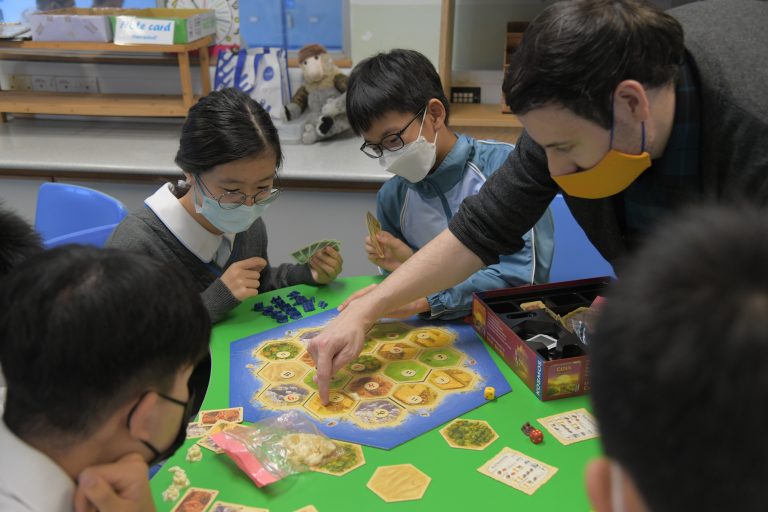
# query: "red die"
536,436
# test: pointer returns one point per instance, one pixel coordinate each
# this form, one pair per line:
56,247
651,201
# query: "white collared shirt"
200,242
29,480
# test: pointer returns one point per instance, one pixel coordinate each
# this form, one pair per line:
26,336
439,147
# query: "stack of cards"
305,254
374,228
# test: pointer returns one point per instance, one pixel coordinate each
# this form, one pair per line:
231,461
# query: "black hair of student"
84,330
18,240
398,81
678,363
576,52
223,127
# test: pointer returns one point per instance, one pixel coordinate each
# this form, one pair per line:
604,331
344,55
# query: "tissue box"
88,25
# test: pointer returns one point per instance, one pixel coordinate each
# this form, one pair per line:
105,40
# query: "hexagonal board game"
412,377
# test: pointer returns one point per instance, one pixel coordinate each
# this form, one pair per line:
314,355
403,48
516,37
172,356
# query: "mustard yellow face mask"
613,173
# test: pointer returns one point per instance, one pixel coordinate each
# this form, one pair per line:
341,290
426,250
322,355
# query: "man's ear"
143,418
630,102
436,113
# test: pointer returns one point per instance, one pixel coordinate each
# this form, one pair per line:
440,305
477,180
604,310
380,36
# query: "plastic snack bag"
275,448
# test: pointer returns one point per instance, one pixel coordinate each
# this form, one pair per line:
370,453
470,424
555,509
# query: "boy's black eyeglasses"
391,142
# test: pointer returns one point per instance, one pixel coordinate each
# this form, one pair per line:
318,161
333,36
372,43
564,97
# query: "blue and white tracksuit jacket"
417,213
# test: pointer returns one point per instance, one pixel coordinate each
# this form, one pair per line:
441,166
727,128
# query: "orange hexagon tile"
431,337
283,371
469,434
415,395
403,482
339,404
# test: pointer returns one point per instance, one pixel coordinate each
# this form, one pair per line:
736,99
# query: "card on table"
572,426
220,426
374,228
221,506
233,414
518,470
195,499
196,430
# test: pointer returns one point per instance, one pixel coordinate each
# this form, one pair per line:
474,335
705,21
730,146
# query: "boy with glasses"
396,102
97,347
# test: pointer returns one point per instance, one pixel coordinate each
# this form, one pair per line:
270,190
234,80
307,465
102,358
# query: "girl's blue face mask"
235,220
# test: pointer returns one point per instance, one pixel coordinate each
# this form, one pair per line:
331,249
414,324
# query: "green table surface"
456,484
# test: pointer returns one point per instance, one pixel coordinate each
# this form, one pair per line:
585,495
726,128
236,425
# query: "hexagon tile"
410,378
399,483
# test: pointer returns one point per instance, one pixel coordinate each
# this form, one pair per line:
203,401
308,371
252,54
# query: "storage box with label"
82,25
163,26
538,332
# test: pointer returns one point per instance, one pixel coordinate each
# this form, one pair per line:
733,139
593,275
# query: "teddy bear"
322,98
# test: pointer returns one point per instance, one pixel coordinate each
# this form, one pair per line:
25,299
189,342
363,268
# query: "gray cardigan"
728,47
143,231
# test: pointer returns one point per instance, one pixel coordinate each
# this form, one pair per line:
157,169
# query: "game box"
525,326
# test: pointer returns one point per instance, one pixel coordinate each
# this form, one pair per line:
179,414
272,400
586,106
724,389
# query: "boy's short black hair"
397,81
83,330
18,240
678,363
576,52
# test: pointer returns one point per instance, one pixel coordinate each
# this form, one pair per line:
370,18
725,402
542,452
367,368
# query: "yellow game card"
572,426
518,470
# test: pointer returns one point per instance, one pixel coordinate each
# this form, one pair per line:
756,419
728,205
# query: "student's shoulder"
392,189
489,155
137,227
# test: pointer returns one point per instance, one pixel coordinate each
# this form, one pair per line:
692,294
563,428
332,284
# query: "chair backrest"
575,256
97,236
64,209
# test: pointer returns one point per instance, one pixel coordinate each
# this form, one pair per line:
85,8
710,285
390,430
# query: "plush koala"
322,98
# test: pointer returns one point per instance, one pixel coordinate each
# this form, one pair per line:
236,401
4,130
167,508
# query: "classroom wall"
298,218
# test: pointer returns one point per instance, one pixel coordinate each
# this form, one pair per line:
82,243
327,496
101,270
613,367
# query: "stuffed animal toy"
322,98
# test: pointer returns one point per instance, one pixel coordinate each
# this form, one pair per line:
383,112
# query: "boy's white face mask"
413,161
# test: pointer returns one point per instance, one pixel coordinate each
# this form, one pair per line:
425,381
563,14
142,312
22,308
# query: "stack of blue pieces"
281,311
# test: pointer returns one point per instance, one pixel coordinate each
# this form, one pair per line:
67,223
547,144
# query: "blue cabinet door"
261,23
314,21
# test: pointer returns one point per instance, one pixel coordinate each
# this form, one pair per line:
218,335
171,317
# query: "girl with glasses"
211,225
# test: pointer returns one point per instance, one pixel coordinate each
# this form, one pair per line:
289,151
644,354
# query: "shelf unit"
37,102
478,120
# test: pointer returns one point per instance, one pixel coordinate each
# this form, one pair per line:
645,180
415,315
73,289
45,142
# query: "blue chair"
97,236
575,257
69,209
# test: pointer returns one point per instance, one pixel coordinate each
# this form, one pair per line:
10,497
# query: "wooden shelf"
110,104
481,115
144,105
108,47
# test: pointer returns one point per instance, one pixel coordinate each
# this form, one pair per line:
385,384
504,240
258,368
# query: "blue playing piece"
258,306
268,310
308,306
322,304
281,320
294,293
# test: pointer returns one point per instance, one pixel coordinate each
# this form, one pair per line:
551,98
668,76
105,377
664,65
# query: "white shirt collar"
29,480
200,242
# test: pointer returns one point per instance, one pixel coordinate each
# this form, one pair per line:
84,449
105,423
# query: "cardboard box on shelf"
163,26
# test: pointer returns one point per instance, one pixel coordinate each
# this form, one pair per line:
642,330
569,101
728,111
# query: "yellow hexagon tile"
469,434
350,457
403,482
